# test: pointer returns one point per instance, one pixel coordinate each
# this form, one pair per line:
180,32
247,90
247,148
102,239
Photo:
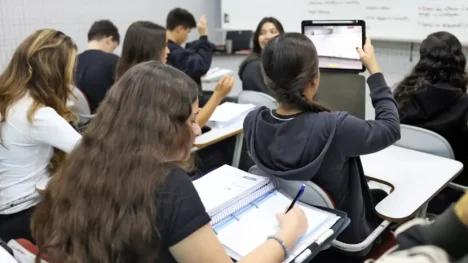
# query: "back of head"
290,65
42,66
101,207
144,41
103,29
441,61
180,17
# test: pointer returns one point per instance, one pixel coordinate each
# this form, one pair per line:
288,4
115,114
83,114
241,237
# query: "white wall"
19,18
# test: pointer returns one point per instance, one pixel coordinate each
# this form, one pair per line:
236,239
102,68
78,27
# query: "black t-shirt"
95,74
180,211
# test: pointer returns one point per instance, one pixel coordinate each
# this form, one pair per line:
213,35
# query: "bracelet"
281,242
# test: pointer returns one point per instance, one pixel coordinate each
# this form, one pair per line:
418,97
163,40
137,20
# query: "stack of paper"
229,113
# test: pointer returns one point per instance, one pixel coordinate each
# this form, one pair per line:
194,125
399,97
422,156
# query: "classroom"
233,131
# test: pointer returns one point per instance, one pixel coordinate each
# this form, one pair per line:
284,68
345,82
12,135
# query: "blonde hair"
42,66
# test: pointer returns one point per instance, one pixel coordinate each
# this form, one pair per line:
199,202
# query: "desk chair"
315,195
25,252
258,99
80,107
427,141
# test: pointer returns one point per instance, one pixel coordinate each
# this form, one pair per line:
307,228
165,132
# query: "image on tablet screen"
336,45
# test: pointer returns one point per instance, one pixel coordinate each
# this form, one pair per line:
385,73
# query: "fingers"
360,51
279,217
368,41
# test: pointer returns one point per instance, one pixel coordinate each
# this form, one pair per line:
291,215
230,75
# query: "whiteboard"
394,20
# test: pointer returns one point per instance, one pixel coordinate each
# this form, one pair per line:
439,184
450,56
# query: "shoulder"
46,114
176,179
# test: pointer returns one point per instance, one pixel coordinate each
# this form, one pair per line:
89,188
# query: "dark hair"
144,41
257,50
441,61
290,63
101,207
103,28
180,17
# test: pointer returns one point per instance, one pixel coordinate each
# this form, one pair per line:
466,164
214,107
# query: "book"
229,113
243,210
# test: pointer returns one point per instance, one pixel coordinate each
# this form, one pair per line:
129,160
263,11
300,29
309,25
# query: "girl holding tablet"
122,195
303,140
250,71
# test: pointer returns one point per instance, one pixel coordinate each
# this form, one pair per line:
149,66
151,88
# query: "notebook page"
228,111
225,186
256,224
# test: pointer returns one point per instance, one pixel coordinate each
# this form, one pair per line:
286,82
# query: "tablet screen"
336,45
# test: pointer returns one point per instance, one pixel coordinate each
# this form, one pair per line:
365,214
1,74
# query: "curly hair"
100,206
441,61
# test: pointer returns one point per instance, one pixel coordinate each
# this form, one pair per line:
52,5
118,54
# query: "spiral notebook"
243,206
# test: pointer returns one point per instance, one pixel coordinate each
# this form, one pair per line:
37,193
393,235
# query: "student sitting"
122,195
433,96
250,71
195,62
146,41
303,140
95,70
34,135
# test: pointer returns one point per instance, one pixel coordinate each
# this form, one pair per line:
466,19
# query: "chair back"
314,195
258,99
79,105
424,140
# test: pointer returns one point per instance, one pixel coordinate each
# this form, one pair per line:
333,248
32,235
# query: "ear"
316,81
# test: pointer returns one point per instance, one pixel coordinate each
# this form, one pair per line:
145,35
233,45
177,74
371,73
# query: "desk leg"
238,150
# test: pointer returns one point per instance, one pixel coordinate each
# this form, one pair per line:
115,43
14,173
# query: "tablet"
336,43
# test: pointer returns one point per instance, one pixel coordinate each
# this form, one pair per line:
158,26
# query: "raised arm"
222,89
357,136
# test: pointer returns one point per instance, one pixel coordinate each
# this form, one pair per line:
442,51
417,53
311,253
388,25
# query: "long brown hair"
42,66
100,206
144,41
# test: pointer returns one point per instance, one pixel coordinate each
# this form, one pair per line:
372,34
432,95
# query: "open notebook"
229,113
243,208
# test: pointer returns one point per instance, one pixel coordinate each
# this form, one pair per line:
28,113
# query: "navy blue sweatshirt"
442,109
194,61
325,148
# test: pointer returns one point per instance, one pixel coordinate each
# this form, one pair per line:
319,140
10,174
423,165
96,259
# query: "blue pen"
301,191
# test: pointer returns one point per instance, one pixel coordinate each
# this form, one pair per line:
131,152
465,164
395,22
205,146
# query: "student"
95,70
145,41
195,62
250,71
122,195
302,140
443,241
433,96
34,135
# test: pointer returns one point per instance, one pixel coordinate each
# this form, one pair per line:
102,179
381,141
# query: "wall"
19,18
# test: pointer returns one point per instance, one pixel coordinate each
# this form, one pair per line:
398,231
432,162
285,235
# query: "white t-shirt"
27,150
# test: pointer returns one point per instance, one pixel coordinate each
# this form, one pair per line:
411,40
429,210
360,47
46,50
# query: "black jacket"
252,76
443,109
324,148
194,61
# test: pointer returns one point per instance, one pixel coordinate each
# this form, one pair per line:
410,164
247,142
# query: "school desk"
415,177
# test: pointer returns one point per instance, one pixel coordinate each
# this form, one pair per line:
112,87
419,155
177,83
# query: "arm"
222,89
50,128
194,62
204,246
358,136
207,110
